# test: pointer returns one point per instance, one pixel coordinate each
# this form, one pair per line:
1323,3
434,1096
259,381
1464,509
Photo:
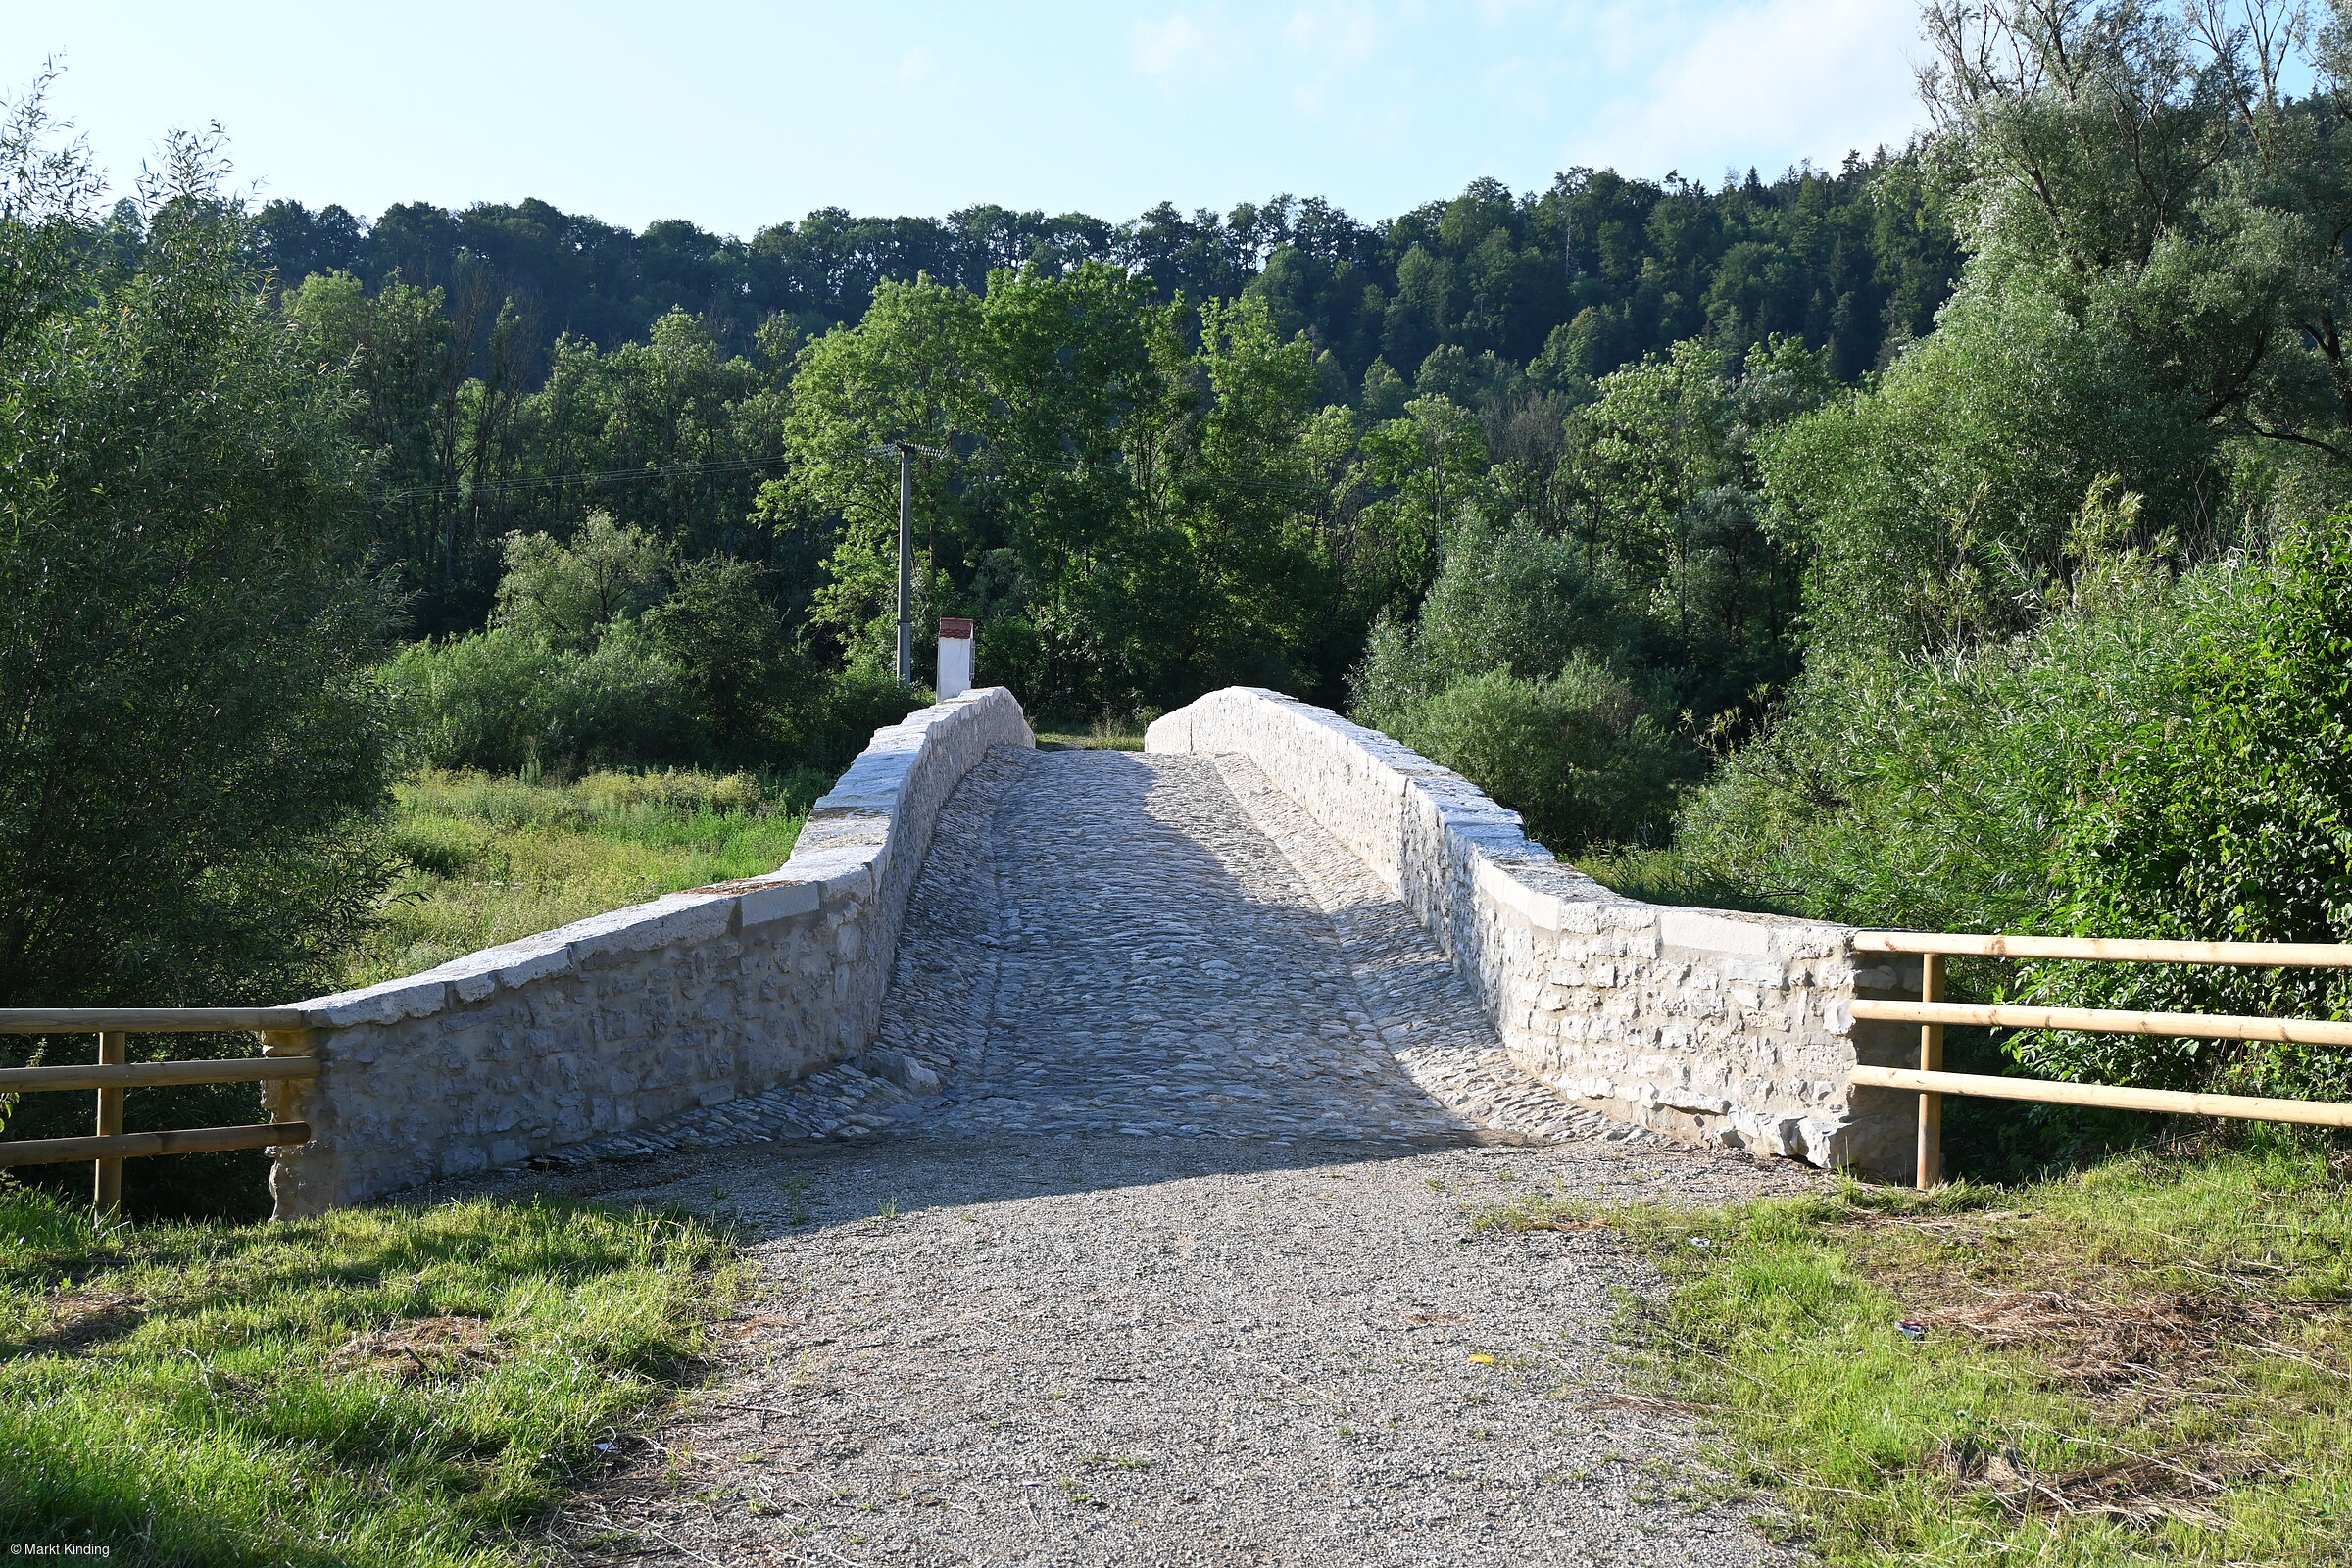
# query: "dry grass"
452,1345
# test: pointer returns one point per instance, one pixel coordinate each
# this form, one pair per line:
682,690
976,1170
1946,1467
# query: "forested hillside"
508,352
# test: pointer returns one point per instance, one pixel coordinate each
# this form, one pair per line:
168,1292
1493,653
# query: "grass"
411,1388
1106,735
2144,1361
490,859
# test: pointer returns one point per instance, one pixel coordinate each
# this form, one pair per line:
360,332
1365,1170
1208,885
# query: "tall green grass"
231,1395
491,859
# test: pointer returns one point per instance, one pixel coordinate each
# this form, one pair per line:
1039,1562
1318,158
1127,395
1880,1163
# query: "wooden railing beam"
2111,1021
136,1145
158,1074
147,1021
2107,1097
2131,949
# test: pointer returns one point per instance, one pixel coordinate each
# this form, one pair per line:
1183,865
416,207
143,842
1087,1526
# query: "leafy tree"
570,595
748,682
195,751
899,374
1127,508
1930,508
1426,468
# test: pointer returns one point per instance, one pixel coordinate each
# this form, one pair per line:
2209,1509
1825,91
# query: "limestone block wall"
1707,1026
641,1013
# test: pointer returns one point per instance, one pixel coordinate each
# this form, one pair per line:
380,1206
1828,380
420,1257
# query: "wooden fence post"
113,1050
1930,1060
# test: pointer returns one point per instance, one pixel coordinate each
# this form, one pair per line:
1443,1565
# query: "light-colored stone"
688,1001
1711,1026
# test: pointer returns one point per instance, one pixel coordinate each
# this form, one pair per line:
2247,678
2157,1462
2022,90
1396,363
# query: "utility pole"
906,451
905,565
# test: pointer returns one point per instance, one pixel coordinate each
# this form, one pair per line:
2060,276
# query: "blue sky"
735,115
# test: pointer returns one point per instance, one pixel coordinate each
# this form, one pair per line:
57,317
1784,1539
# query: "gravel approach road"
1144,1236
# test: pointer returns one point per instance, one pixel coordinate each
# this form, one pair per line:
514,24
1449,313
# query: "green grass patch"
406,1388
492,859
1106,735
2142,1362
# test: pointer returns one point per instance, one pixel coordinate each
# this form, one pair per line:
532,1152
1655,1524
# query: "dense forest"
523,366
1951,540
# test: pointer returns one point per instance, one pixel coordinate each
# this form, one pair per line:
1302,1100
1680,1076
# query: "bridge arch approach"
1271,925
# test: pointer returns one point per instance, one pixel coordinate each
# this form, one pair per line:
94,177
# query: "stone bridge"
1272,926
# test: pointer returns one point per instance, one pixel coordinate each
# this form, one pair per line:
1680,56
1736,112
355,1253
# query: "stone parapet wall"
639,1014
1707,1026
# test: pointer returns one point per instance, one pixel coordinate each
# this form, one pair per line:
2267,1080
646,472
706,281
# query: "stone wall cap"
662,922
390,1002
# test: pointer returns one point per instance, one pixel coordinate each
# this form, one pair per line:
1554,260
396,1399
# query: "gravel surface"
1142,1235
1167,1352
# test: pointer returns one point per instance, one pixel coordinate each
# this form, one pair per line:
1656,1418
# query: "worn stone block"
643,1012
1573,973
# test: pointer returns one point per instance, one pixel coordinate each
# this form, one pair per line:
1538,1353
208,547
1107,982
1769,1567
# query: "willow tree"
192,753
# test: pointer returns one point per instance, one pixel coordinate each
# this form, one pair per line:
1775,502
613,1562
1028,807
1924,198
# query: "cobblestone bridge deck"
1109,942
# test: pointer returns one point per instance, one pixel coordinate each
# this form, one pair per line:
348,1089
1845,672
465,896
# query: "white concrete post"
954,657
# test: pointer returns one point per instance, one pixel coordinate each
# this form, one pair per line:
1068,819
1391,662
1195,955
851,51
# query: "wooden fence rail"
1932,1014
2113,1022
115,1073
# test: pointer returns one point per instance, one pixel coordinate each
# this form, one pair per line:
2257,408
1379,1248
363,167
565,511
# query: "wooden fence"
286,1055
286,1051
1934,1016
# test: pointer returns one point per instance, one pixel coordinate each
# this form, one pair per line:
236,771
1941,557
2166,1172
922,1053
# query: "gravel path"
1141,1236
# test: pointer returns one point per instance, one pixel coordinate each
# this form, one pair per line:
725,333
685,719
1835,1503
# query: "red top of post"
954,626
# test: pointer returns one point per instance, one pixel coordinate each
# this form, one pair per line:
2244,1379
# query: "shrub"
829,734
499,700
1511,599
1929,792
1577,754
1503,679
2225,814
621,703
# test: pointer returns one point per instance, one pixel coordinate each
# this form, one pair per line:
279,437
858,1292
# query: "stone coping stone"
822,869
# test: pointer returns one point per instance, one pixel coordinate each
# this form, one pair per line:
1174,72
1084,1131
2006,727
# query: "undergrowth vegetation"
2141,1361
487,860
410,1389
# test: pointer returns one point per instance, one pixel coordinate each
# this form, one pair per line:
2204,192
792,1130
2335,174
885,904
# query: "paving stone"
1109,944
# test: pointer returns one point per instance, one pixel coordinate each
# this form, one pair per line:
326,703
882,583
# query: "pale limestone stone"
1744,1022
687,1000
